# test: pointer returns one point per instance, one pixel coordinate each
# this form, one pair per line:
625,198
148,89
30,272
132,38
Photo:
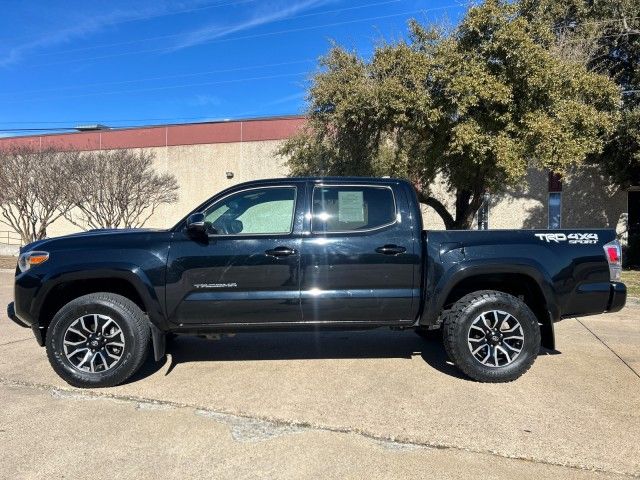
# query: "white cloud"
286,99
204,100
211,32
91,24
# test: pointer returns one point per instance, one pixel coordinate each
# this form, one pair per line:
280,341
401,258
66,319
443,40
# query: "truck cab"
286,252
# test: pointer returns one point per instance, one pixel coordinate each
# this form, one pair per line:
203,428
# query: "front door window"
260,211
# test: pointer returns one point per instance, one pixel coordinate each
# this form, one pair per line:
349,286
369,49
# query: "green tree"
606,34
474,107
621,157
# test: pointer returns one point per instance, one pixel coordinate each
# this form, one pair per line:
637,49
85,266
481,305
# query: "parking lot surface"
377,404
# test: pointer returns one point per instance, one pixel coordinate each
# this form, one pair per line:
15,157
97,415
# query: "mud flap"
159,339
548,339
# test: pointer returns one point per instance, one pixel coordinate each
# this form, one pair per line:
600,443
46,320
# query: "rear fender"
458,272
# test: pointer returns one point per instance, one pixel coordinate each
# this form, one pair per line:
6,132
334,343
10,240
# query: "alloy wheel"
94,343
495,338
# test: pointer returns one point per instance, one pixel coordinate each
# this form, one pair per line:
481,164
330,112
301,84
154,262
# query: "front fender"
128,272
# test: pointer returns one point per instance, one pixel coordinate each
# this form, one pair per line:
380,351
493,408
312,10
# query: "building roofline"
164,125
172,134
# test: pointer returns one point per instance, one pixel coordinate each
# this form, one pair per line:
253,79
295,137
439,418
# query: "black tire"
459,321
134,329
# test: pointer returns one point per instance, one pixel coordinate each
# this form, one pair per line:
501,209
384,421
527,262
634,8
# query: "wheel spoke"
85,359
484,360
84,326
505,353
105,324
512,329
77,332
114,334
514,337
104,360
92,363
485,322
115,357
475,327
496,325
479,348
76,351
513,349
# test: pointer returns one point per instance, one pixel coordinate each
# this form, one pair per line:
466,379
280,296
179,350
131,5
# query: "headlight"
31,259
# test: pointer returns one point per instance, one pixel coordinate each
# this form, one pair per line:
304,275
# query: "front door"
247,269
358,260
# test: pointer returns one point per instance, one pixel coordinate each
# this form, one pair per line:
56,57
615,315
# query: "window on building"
352,208
555,210
256,211
555,200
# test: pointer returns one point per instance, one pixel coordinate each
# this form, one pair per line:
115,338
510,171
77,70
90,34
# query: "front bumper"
37,331
617,297
11,313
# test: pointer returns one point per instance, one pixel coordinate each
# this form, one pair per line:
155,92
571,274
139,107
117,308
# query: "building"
208,157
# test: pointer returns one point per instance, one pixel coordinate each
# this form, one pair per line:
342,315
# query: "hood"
99,232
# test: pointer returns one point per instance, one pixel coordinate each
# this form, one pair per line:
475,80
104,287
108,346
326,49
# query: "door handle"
391,250
280,252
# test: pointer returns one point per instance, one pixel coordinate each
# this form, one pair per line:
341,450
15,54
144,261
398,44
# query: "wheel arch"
523,281
130,282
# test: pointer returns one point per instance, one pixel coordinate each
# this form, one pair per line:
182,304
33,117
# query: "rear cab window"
352,208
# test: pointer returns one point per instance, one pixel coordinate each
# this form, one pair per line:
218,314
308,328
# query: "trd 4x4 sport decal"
573,238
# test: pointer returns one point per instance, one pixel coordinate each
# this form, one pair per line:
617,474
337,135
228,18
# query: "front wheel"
491,336
98,340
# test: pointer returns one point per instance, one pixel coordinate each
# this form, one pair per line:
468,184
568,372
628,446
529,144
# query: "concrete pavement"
376,404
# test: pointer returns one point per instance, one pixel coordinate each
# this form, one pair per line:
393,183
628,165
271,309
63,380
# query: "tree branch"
439,207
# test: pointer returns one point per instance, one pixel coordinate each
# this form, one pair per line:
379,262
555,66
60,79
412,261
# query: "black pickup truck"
310,253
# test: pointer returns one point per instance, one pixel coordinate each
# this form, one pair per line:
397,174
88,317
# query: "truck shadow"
304,346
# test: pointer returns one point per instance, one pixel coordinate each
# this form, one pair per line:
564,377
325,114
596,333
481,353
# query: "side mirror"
196,223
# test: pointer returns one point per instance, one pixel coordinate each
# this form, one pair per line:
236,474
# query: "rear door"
247,270
359,261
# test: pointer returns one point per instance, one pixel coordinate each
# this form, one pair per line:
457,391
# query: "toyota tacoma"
309,253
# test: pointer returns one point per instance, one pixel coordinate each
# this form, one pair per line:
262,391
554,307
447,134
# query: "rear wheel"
98,340
491,336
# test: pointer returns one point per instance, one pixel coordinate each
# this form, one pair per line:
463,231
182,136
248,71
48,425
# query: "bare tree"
118,188
579,48
31,197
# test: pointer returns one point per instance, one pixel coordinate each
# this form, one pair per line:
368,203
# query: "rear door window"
352,208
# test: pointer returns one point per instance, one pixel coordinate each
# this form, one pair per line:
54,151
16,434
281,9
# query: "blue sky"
125,63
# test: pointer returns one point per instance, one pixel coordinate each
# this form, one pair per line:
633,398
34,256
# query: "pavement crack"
609,348
17,341
244,429
251,428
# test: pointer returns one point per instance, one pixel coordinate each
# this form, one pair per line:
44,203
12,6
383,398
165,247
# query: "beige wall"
201,172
